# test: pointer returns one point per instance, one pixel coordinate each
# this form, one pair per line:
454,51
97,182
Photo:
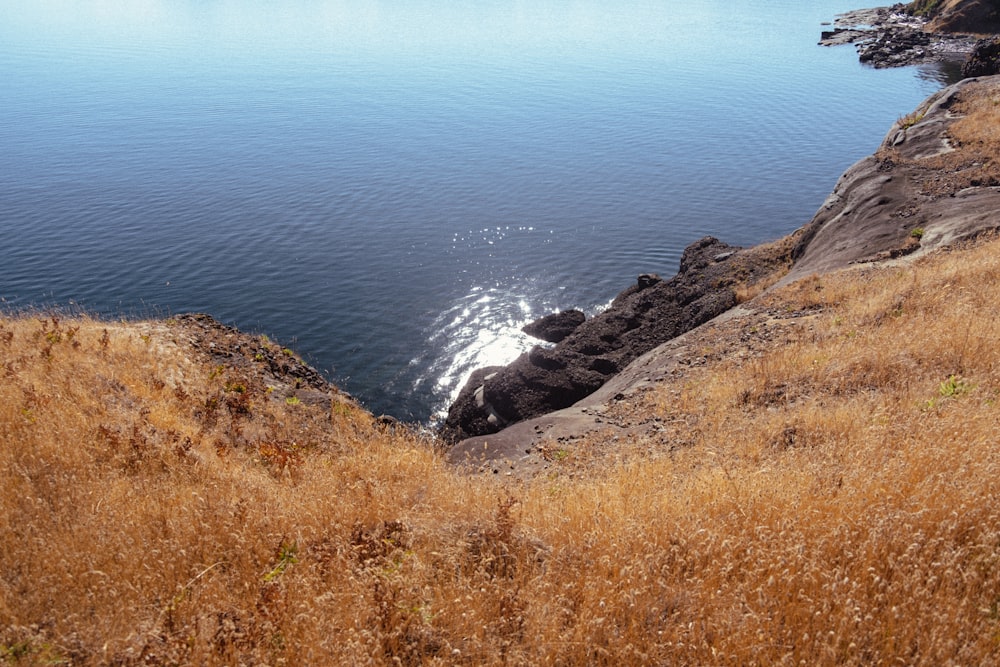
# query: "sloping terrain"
815,483
972,16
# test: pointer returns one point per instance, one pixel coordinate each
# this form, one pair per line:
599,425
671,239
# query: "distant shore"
892,37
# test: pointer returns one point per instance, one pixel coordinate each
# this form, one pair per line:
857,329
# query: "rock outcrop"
984,59
645,315
916,192
896,36
287,375
555,327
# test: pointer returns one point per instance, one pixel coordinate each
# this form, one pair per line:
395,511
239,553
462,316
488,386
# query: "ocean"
394,188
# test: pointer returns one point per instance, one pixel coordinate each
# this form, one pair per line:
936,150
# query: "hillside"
811,479
971,16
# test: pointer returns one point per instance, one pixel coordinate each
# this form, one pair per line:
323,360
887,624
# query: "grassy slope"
830,498
835,503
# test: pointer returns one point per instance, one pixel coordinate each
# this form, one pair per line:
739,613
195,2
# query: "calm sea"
394,188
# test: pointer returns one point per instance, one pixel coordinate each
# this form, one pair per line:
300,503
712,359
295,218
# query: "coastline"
891,37
872,215
922,191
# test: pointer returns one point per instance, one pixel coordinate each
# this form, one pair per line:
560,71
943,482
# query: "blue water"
394,188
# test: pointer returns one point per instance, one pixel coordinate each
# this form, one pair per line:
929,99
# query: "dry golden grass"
979,125
836,505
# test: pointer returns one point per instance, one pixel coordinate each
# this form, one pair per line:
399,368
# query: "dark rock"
387,421
984,59
553,328
470,409
647,280
650,312
894,47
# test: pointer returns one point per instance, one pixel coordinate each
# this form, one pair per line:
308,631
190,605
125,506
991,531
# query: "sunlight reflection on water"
481,329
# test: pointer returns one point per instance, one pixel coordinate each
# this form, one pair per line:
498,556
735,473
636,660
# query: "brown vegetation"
979,127
833,501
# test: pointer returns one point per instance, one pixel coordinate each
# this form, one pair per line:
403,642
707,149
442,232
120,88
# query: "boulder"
553,328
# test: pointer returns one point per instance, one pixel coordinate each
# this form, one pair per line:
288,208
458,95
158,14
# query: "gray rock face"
880,201
553,328
643,316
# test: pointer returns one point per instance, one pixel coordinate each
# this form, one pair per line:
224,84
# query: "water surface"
395,188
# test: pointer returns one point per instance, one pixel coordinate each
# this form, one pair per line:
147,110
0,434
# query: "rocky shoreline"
647,314
922,190
891,37
882,208
900,35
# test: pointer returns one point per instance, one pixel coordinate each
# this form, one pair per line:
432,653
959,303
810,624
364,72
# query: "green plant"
923,7
910,119
293,400
287,555
917,233
31,653
954,386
